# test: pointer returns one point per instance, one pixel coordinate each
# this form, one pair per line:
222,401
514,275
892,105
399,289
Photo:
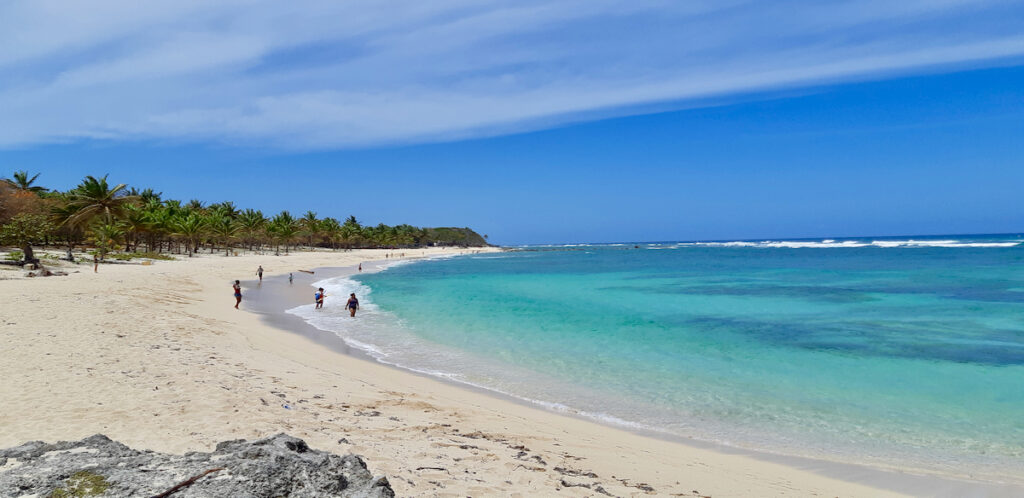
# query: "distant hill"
451,236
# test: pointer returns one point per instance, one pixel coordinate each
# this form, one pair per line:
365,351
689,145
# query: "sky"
536,122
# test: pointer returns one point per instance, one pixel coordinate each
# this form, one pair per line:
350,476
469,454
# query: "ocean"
895,352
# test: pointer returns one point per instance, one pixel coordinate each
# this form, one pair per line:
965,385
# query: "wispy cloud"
323,74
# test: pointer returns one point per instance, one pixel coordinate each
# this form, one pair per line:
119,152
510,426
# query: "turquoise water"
882,351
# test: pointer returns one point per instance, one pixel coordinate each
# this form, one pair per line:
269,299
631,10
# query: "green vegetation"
128,256
25,230
113,218
82,484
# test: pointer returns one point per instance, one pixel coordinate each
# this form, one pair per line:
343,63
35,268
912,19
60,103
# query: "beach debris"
280,465
439,469
642,486
575,473
307,271
186,483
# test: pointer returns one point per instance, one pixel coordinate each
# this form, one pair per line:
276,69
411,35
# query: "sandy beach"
156,357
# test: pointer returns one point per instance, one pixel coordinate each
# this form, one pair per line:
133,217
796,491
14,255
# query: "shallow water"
902,352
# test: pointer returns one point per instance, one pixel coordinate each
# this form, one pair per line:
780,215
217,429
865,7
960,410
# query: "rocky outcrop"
97,466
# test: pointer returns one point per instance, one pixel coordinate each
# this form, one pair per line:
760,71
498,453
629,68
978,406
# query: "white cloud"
325,74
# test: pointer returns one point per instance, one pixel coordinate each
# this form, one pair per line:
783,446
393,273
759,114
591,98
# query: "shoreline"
155,357
910,481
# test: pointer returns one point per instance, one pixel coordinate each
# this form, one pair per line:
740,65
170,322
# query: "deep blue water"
888,351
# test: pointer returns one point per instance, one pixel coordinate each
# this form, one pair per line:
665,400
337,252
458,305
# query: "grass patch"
128,256
81,484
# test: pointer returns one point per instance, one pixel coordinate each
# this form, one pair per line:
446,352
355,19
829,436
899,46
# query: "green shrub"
128,256
15,255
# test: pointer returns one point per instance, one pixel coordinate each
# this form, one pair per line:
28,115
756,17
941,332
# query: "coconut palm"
331,229
251,223
190,228
226,208
145,195
95,199
351,230
159,224
136,225
223,229
19,180
69,233
283,228
310,226
106,235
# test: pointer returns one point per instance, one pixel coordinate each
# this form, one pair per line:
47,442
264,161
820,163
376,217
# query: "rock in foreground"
97,466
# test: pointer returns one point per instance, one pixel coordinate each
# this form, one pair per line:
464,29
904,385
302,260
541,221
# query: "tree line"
111,217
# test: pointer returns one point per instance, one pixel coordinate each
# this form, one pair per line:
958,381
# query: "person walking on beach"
238,293
289,279
259,273
95,263
319,296
360,267
352,305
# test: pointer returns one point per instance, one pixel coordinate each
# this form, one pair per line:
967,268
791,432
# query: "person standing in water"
360,267
238,293
289,279
319,296
352,304
259,273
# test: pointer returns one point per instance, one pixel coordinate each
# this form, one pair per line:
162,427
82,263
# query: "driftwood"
186,483
306,271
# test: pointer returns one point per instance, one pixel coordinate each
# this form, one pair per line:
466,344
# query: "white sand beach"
156,357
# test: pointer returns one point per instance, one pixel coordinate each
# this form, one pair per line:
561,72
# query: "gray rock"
281,465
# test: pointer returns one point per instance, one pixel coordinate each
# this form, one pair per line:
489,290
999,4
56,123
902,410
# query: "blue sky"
537,121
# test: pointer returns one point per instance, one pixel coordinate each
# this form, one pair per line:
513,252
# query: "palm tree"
226,208
106,235
146,195
136,224
283,228
351,230
71,234
20,181
159,224
310,226
94,198
332,230
190,227
252,223
224,229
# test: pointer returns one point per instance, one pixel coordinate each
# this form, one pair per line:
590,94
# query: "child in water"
319,298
